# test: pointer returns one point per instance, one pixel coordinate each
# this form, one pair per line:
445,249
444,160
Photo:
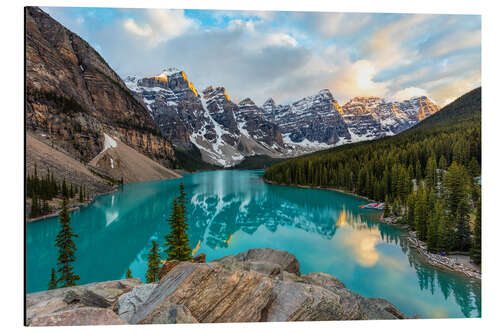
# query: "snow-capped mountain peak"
225,132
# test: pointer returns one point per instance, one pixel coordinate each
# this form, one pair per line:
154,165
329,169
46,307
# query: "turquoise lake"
232,211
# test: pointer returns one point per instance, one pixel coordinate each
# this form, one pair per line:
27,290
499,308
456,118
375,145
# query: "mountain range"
226,132
76,104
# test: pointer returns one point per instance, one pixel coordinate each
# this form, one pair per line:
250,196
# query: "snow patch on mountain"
109,142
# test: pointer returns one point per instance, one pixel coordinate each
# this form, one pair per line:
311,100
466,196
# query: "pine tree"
432,231
474,168
443,165
476,244
387,208
67,248
35,206
153,271
421,210
64,189
128,274
45,207
177,242
454,187
418,170
430,172
53,280
463,226
80,194
410,211
445,235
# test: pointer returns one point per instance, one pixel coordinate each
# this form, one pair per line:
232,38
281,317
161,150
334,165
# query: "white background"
12,161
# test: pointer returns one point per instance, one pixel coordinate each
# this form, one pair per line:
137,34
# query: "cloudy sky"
289,55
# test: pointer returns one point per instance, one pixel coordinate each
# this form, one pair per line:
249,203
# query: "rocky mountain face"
73,96
226,132
253,123
221,130
258,285
373,117
318,121
312,121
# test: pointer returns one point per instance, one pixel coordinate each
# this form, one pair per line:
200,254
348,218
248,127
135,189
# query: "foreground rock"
89,304
256,285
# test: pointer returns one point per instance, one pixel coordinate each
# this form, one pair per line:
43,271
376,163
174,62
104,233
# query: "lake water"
232,211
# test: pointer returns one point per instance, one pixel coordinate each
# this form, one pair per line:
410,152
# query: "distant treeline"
257,162
426,175
43,189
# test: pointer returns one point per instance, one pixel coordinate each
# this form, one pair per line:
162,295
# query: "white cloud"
408,93
159,25
385,47
279,39
132,27
457,41
356,79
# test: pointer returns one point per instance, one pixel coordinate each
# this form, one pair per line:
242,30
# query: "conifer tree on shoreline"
67,248
53,280
152,274
476,245
177,241
128,274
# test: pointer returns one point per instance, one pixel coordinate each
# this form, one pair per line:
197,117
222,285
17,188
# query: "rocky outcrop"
73,96
89,304
256,285
79,317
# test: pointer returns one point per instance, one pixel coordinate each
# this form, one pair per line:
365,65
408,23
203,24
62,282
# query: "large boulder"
128,303
99,295
211,292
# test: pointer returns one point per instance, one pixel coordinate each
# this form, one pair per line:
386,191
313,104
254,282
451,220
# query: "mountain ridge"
227,132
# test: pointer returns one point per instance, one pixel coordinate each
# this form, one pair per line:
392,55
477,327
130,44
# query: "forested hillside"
427,175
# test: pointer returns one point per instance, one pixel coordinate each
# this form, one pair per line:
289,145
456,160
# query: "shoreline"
446,262
70,209
443,262
85,204
320,188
